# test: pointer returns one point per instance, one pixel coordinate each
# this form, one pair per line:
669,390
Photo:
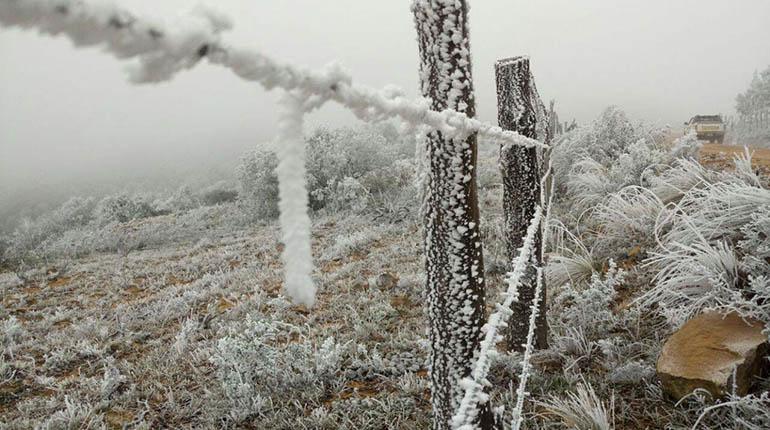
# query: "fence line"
166,48
473,385
526,365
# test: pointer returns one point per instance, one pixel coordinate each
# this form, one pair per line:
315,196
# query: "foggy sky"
70,115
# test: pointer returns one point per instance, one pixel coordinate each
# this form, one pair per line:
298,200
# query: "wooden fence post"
520,109
454,264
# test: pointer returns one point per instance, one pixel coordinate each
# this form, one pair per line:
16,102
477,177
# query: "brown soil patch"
721,156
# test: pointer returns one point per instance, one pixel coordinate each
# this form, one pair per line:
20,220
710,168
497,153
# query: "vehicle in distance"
706,127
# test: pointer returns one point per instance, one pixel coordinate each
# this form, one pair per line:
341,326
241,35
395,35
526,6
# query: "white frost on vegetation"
466,414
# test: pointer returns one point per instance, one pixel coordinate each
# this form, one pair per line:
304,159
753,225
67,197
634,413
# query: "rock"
705,352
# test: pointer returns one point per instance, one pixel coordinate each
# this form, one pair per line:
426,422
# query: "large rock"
705,352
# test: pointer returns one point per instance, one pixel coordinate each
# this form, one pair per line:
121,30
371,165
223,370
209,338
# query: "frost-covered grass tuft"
582,409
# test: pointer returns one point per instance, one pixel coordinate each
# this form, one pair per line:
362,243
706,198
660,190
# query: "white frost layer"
165,48
465,417
293,202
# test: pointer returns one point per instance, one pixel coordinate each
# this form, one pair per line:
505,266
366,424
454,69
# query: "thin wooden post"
519,109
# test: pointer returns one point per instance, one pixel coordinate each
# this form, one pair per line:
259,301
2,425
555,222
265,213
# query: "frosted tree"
520,109
454,262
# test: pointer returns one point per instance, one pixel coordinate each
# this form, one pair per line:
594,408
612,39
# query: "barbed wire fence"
162,49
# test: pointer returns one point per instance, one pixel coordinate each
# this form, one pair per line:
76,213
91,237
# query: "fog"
70,121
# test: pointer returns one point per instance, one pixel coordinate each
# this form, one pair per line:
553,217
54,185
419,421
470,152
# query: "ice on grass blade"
582,410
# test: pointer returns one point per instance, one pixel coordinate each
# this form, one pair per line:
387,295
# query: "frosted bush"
571,260
11,333
357,241
349,169
755,243
111,381
25,241
622,149
687,146
186,332
259,184
75,415
218,193
589,307
121,208
182,200
261,363
751,412
348,194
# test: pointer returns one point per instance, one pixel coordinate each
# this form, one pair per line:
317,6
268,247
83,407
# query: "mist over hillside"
563,224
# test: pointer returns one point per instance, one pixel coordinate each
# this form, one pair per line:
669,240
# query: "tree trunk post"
520,109
452,243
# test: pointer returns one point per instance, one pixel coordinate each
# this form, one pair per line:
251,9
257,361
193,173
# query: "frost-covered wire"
165,48
526,365
474,385
293,201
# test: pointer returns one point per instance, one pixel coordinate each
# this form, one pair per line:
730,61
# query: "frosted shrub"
622,149
122,208
755,243
348,194
258,183
687,146
683,175
75,415
589,307
218,193
262,363
11,332
183,199
74,213
349,169
571,260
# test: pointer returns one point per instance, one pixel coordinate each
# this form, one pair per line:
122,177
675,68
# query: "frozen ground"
178,320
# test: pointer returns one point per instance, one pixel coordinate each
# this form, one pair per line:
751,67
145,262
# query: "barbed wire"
467,412
165,48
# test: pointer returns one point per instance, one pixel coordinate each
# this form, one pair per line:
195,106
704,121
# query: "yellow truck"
706,127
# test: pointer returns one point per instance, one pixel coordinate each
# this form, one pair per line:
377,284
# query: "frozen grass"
582,409
179,321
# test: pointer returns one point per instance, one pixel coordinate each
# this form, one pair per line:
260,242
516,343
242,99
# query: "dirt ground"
716,155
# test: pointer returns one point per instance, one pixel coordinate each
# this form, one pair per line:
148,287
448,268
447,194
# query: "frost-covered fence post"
453,253
519,108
